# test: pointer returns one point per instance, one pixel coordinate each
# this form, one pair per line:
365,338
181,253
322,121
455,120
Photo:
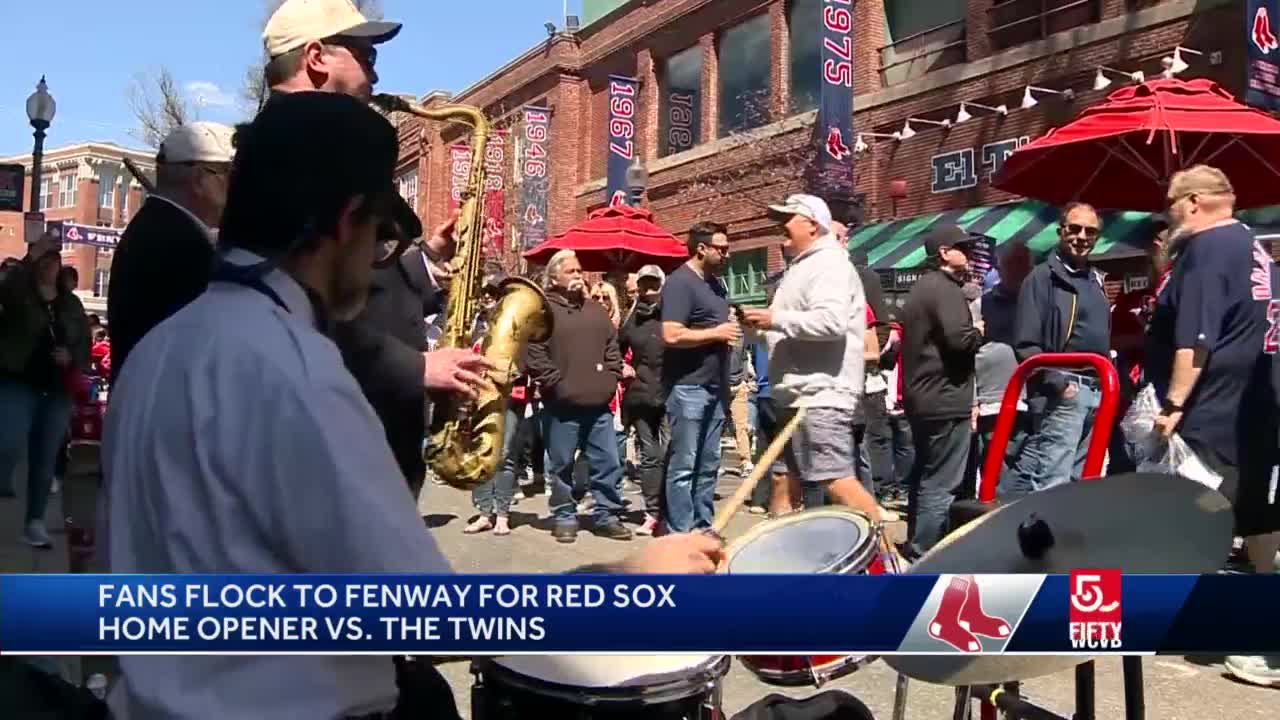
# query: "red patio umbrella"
619,238
1121,152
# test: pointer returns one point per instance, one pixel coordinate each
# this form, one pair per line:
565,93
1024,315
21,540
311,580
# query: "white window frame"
46,193
107,189
68,188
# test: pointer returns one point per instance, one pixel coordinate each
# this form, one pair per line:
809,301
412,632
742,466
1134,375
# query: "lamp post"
40,109
637,181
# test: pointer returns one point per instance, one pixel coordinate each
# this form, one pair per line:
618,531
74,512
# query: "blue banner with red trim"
1262,74
533,176
623,93
833,132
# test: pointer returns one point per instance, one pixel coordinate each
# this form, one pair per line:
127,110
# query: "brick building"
86,184
752,69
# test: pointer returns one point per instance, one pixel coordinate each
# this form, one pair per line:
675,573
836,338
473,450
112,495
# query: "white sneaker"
36,535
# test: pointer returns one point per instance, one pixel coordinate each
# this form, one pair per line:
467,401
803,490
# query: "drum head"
610,671
823,540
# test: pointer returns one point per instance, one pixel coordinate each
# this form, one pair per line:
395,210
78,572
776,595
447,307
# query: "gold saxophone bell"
465,438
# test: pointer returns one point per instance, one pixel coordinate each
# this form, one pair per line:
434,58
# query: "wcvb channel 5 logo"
1095,609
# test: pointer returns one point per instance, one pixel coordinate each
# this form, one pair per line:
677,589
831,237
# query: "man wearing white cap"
164,259
323,45
814,329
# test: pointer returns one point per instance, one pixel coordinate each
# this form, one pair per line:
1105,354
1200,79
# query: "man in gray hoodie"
814,330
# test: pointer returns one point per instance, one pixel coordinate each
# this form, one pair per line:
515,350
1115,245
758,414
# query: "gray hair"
553,266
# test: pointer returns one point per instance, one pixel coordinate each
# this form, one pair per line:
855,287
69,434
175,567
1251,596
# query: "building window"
408,184
67,189
680,113
745,276
804,27
745,64
46,193
922,36
1014,22
106,188
101,281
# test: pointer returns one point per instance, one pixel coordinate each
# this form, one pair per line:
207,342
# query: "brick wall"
572,74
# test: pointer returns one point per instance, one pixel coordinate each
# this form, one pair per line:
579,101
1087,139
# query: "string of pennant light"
1173,65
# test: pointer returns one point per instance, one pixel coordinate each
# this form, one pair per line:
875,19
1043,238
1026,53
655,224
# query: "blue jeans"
37,420
567,430
693,456
1054,452
494,497
937,476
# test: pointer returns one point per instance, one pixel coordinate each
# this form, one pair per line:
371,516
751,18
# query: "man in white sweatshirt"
814,331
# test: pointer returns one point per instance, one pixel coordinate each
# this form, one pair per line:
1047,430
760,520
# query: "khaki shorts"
821,449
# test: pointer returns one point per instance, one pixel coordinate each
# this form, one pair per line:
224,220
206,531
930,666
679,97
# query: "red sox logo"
532,216
836,146
1263,37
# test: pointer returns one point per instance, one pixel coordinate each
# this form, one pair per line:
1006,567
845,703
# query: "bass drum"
663,687
832,539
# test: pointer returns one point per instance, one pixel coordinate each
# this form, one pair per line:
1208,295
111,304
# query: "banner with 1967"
1088,612
622,132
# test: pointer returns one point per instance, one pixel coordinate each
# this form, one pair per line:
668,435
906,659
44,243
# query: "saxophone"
465,437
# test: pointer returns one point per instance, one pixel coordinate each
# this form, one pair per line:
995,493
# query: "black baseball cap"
308,151
946,236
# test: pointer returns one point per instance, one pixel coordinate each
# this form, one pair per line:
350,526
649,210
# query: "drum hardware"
1089,524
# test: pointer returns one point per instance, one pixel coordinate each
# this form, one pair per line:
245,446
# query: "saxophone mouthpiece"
390,103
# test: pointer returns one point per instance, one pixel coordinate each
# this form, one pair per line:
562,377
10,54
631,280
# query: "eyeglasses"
1176,198
722,249
365,54
1089,232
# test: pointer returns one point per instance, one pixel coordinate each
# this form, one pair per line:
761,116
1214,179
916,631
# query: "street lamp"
40,109
637,180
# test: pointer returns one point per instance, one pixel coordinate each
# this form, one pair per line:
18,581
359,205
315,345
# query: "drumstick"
770,454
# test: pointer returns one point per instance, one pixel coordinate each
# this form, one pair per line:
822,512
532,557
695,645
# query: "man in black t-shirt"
1207,336
697,333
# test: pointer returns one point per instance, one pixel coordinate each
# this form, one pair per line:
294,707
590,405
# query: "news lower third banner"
1089,612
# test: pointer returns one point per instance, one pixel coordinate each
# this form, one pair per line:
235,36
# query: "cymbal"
1141,523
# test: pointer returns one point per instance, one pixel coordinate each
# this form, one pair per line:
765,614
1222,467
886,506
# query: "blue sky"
91,51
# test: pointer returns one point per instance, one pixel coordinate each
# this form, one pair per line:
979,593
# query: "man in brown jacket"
577,370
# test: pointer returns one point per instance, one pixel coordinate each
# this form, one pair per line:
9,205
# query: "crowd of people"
272,378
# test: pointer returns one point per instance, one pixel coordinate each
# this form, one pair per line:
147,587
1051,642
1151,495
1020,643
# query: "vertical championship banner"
834,129
683,123
495,189
622,131
533,177
1262,73
459,173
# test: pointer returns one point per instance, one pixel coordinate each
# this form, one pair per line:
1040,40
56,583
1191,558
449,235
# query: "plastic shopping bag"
1175,457
1139,423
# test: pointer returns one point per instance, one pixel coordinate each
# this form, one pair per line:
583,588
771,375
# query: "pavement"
1177,688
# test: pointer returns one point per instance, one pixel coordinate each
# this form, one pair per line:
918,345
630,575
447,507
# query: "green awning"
899,244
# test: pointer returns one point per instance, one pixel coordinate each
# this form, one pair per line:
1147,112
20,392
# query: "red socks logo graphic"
960,617
1263,37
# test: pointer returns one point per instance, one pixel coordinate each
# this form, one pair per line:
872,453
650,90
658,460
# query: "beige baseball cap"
298,22
198,142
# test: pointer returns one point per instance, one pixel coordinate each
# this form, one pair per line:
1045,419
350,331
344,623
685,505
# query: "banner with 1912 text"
495,188
834,129
533,176
622,132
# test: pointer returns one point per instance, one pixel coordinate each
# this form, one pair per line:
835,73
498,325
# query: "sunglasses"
365,54
1089,232
722,249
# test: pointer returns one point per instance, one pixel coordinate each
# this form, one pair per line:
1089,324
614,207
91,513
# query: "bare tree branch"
158,106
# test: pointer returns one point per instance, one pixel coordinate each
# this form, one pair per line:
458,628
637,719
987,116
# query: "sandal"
479,525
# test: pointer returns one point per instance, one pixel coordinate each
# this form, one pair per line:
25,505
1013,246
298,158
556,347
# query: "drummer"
290,471
814,330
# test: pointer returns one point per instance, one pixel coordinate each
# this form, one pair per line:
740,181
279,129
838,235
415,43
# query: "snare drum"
675,687
832,539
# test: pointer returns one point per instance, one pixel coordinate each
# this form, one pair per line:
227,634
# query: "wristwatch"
1169,407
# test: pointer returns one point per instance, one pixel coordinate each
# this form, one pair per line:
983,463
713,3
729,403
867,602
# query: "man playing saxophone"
328,45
